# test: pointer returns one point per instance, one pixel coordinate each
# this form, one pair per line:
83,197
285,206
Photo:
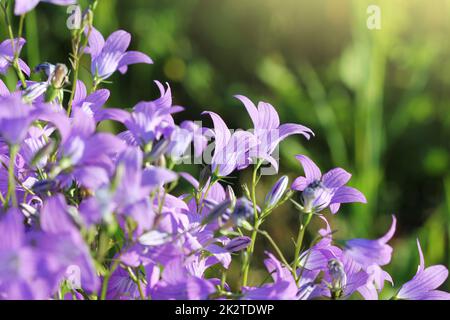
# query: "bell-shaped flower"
24,6
268,131
231,150
15,119
8,50
112,55
425,283
322,191
372,252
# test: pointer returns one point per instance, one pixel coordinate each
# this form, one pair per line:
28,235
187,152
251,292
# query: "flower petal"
299,184
267,117
388,236
96,43
312,171
348,195
23,6
133,57
251,109
117,41
336,178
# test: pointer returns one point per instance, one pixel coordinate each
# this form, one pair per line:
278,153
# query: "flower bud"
158,150
217,212
243,210
42,187
277,192
231,195
238,244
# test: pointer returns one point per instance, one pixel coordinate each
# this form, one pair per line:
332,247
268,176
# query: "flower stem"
251,247
299,242
277,249
13,149
107,277
77,54
15,62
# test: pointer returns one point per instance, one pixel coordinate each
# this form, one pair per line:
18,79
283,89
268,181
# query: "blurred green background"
378,100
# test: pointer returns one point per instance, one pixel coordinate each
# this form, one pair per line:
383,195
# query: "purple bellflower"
112,55
150,120
268,130
15,119
322,191
7,53
424,284
24,6
231,150
368,252
179,282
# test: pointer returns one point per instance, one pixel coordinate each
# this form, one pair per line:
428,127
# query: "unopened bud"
243,210
238,244
277,192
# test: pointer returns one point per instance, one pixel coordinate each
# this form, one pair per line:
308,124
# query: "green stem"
13,149
277,249
251,247
107,277
299,242
15,61
138,283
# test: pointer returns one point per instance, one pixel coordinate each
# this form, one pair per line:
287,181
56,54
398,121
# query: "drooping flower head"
320,191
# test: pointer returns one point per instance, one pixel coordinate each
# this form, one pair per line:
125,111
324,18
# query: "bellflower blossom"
15,119
89,214
268,130
424,284
8,50
320,191
231,150
112,55
24,6
368,252
150,120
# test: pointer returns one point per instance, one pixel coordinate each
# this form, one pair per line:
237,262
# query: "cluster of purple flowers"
92,215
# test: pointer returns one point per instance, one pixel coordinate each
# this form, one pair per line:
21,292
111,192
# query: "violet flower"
268,130
150,120
24,6
93,104
15,119
424,284
177,283
7,53
320,191
231,150
112,55
368,252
